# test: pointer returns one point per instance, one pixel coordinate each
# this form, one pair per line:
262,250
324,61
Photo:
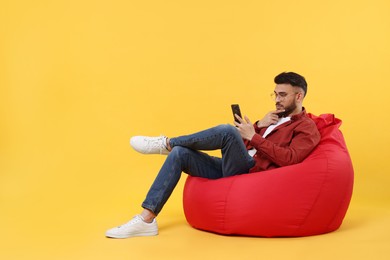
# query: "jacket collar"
300,115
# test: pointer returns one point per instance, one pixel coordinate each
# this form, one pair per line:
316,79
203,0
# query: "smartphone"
236,110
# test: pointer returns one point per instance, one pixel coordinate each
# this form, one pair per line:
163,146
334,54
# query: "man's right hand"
270,118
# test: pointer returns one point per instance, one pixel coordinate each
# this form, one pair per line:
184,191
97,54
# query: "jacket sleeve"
304,139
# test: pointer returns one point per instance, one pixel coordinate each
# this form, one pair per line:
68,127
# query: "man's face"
285,98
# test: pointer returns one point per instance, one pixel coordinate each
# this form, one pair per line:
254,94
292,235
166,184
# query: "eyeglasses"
281,95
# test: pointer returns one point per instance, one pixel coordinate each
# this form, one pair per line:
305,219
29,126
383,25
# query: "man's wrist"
259,124
249,138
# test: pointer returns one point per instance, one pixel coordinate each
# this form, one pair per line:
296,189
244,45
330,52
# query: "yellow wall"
78,78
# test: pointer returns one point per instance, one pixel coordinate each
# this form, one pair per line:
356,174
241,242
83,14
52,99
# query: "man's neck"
297,111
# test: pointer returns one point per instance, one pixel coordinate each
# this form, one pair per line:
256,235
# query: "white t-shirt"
282,120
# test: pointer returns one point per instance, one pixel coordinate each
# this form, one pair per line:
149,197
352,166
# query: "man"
283,137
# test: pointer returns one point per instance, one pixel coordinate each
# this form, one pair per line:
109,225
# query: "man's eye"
282,94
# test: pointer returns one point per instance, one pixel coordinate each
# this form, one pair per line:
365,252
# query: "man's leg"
185,157
235,157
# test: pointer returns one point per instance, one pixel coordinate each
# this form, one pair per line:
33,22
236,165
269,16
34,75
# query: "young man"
283,137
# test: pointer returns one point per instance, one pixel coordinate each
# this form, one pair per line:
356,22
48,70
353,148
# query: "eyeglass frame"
275,95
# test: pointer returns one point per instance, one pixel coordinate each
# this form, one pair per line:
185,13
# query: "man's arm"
269,119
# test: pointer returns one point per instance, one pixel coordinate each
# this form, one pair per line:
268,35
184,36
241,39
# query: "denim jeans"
186,157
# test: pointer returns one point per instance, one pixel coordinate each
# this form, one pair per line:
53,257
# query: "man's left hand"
245,127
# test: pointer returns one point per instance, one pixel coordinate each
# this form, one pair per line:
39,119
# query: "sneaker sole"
143,234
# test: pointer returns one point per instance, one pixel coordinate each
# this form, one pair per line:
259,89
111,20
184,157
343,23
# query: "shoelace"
158,142
132,221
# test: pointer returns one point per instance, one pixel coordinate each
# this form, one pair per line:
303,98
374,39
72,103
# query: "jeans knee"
180,155
229,129
178,151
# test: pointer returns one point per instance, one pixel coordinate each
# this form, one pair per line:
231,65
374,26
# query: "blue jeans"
186,157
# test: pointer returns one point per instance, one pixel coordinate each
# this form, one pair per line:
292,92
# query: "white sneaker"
136,227
150,145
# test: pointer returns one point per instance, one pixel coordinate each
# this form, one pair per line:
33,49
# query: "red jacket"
287,144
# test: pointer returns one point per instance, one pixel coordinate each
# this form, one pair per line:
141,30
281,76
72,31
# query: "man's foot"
150,145
136,227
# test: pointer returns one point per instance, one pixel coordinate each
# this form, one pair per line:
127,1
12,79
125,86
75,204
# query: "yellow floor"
43,228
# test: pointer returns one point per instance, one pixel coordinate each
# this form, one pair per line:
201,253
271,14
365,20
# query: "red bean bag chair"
304,199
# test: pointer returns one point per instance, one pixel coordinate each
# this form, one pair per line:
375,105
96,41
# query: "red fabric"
307,198
287,144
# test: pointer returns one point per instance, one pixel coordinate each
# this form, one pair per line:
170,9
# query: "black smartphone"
236,110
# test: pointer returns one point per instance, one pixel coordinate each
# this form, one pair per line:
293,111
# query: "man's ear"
300,96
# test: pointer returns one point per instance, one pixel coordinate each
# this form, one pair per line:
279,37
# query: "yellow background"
78,78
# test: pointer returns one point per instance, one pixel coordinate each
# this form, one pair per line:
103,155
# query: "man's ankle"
147,216
168,145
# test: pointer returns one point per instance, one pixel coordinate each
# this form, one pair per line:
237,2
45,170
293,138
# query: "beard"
287,109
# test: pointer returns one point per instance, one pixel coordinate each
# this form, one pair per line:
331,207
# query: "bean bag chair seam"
226,203
316,199
345,195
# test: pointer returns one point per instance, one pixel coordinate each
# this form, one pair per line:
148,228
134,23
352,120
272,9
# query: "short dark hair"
293,79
